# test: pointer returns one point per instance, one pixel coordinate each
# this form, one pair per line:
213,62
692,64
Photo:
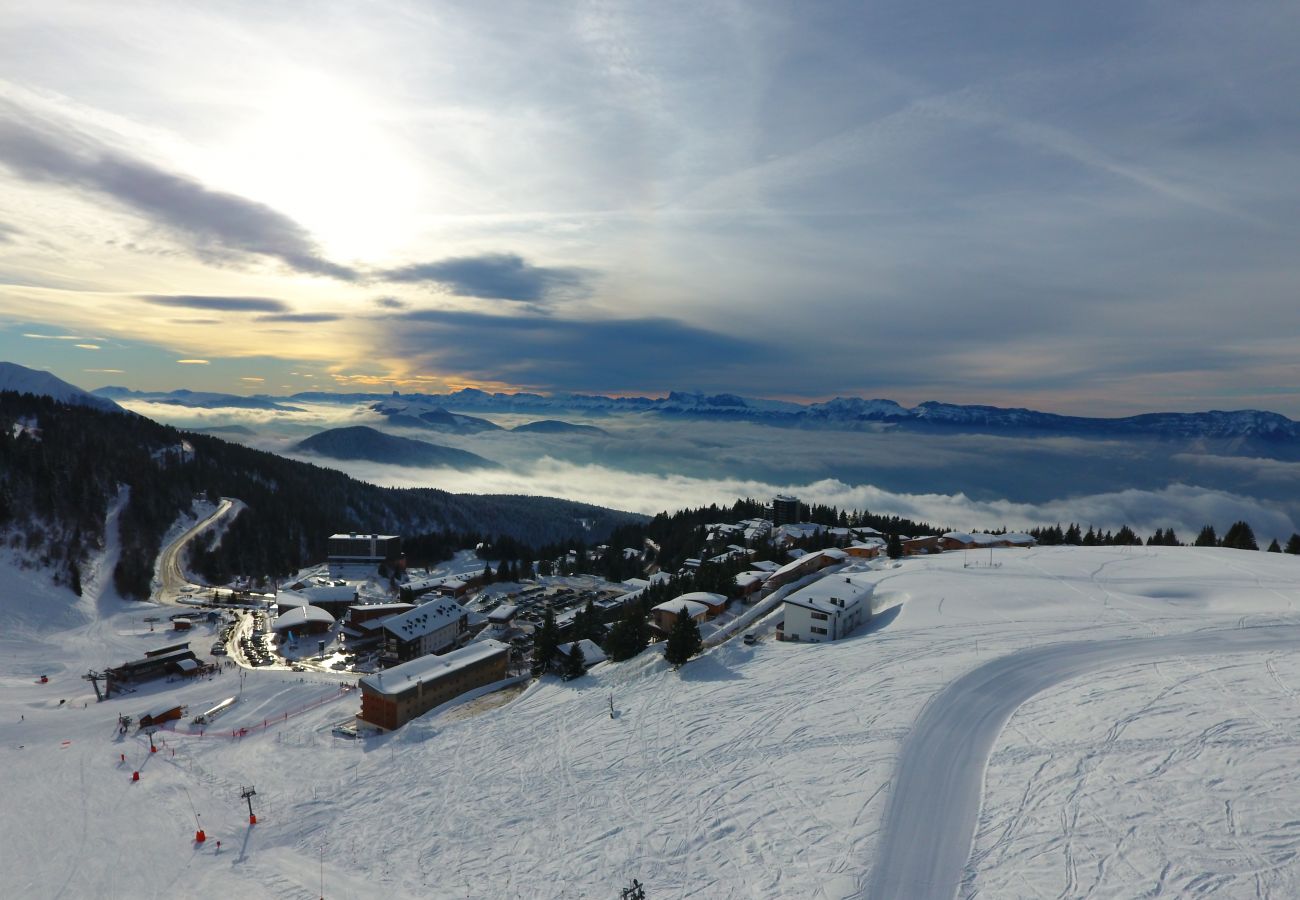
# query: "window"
816,630
821,617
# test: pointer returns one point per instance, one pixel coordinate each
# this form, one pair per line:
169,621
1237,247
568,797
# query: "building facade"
363,548
826,610
391,698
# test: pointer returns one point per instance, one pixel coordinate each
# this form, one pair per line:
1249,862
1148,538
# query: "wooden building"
393,697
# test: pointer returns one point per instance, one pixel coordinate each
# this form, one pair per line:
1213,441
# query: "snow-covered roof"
591,652
380,607
329,593
749,579
300,616
503,613
377,537
426,618
705,597
693,608
765,565
425,668
290,599
820,594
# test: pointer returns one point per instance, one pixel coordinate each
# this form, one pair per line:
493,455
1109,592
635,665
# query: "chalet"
717,603
393,697
962,540
804,565
432,627
917,546
591,653
867,549
749,583
665,614
826,610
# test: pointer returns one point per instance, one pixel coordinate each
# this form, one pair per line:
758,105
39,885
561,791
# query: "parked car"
750,639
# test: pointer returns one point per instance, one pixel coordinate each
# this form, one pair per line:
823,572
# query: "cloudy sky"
1079,207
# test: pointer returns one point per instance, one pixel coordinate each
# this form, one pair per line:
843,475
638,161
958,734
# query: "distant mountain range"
23,380
854,412
365,443
555,426
194,399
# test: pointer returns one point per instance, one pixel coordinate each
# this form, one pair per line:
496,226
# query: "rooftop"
426,668
820,594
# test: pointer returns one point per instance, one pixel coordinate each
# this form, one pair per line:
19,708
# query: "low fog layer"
648,463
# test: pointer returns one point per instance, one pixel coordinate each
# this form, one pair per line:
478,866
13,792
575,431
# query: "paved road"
935,802
171,574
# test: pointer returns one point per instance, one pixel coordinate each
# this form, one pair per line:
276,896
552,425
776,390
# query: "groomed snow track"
935,799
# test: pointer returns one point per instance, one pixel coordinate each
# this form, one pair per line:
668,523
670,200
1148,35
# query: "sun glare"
328,157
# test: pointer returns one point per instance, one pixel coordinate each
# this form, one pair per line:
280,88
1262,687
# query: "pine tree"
1207,537
894,546
1073,536
1240,537
683,640
1274,547
546,641
1125,537
1293,545
1157,539
1171,539
629,636
575,663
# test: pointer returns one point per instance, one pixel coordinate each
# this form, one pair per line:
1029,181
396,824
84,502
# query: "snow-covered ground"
760,771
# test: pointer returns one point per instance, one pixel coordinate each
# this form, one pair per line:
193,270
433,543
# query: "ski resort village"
800,710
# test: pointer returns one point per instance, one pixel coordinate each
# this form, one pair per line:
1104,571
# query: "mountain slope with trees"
61,465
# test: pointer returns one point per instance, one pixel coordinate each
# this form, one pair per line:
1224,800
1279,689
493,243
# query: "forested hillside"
61,465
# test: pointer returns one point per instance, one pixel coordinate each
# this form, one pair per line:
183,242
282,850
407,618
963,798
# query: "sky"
1083,208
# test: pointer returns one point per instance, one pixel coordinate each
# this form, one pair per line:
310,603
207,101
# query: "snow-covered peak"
23,380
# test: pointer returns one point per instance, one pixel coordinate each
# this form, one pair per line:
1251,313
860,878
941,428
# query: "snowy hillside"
1155,751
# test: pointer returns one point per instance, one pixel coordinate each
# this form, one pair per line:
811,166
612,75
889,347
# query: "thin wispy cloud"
193,362
219,304
300,318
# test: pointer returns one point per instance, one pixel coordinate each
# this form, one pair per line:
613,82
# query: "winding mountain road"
171,572
935,802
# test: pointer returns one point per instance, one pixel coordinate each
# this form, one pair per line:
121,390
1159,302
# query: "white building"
429,628
827,610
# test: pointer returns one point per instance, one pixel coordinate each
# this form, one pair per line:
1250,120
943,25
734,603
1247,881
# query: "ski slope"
1121,737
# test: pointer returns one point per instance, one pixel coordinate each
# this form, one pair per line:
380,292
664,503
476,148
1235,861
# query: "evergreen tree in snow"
684,639
894,546
1073,536
1293,545
1207,537
575,663
629,635
1240,537
546,642
1275,547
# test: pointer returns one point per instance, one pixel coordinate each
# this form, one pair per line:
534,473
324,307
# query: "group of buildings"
421,639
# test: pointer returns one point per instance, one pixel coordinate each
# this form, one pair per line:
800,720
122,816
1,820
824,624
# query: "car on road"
750,639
